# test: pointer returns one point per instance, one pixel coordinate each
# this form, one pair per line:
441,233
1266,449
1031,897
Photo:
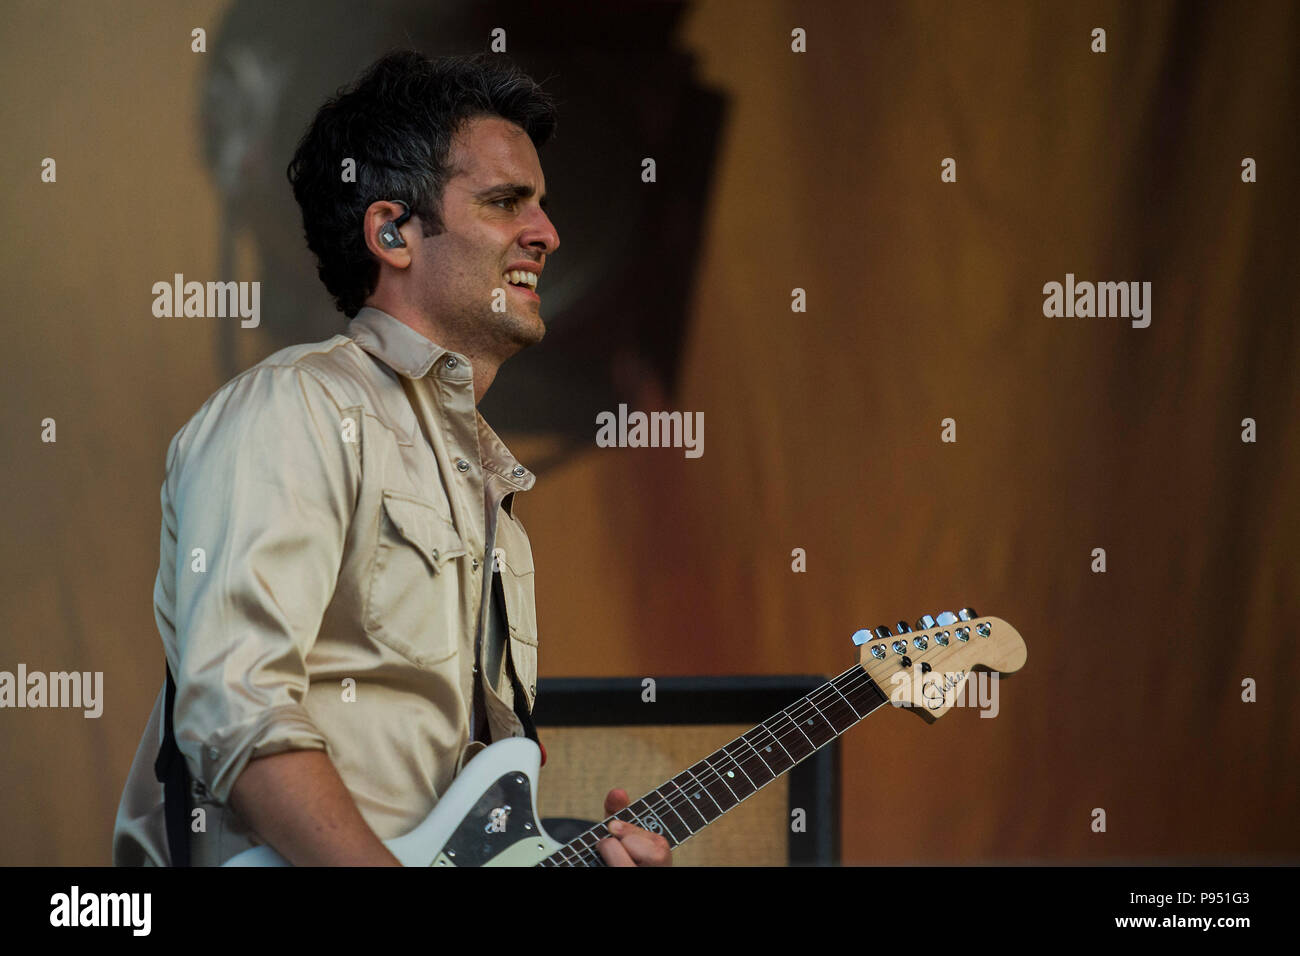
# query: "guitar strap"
521,707
174,775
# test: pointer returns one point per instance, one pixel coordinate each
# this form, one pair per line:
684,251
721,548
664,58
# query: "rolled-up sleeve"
263,484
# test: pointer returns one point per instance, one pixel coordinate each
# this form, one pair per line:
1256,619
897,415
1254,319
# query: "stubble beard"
501,334
519,326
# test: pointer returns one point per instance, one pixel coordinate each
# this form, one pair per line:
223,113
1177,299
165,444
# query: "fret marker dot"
810,720
768,748
731,773
697,796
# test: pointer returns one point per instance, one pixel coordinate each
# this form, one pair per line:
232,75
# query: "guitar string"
704,779
785,729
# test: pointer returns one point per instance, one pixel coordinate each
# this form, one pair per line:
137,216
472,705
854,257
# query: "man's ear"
383,225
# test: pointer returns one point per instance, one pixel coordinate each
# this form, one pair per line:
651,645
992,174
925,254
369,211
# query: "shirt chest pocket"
413,600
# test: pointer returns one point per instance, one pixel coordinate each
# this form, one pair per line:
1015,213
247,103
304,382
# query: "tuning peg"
967,614
902,628
861,637
924,622
946,619
884,633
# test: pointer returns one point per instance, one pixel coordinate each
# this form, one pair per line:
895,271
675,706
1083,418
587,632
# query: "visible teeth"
522,277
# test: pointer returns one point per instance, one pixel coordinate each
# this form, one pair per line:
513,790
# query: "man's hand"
633,846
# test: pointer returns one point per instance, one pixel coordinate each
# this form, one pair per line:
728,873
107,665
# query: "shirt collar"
395,343
410,354
498,459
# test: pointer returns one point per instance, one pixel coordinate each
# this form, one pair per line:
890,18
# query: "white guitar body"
487,817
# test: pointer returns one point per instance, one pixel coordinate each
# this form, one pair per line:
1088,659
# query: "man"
345,594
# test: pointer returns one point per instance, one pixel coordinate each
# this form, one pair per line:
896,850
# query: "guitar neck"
683,806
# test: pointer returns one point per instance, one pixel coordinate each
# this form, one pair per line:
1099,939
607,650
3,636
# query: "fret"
794,738
812,722
586,853
568,853
861,690
664,804
741,783
839,713
727,772
838,709
751,762
683,806
769,747
844,713
649,817
697,794
714,779
592,856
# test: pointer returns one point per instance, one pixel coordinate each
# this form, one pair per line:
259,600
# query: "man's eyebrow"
513,190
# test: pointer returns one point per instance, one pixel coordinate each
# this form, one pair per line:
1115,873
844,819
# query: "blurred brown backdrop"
821,428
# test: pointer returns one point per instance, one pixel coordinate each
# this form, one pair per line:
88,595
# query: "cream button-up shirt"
328,518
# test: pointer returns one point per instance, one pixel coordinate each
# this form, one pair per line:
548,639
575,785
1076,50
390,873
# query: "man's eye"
509,201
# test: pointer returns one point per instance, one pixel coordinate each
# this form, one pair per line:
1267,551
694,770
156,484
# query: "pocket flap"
518,560
423,526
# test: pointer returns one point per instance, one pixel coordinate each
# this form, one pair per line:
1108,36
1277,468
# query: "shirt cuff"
224,754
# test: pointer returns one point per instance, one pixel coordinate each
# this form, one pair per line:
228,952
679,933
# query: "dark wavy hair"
397,122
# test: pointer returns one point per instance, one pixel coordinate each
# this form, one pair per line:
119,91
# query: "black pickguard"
479,838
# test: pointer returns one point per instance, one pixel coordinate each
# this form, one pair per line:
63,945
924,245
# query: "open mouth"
523,279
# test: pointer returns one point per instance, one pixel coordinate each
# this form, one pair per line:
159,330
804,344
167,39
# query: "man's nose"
541,234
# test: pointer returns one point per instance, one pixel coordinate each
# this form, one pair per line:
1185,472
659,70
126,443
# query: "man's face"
494,228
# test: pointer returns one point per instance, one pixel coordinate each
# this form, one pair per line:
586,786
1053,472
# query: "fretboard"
683,806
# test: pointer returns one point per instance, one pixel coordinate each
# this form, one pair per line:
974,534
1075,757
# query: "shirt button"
214,753
518,471
451,363
462,464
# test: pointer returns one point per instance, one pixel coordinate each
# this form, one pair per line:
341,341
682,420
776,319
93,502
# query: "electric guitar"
488,816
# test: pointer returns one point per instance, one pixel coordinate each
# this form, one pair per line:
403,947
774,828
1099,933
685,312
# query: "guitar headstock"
926,667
